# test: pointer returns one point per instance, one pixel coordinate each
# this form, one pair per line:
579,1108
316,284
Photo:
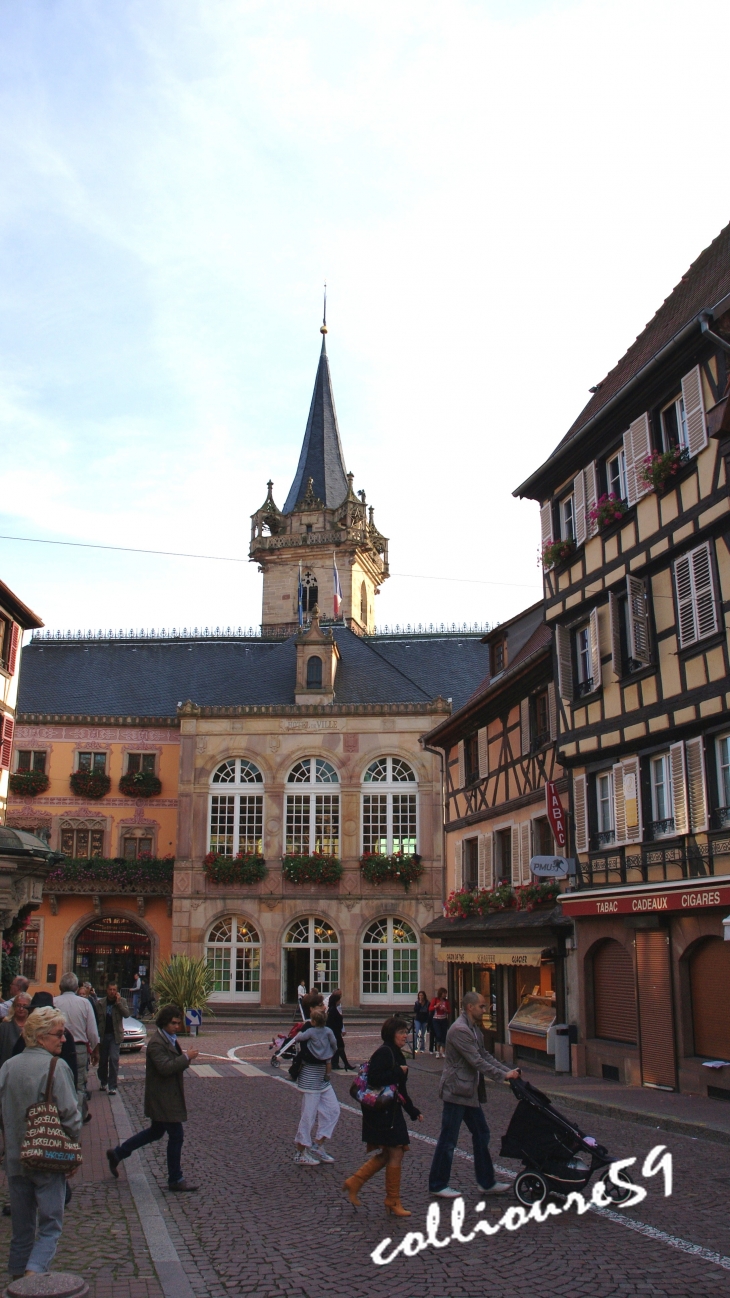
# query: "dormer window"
314,673
498,656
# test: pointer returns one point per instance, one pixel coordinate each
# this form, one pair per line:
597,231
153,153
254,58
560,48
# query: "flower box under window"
316,868
242,869
396,868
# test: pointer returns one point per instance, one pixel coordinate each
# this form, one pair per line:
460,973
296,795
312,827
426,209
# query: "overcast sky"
499,195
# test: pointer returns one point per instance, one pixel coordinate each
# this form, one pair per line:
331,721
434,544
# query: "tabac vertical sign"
556,815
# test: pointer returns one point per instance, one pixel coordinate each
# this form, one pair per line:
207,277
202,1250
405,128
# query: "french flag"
337,587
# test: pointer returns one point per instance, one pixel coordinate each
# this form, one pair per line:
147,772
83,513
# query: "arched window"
312,816
364,604
233,952
82,838
310,592
311,954
236,815
389,812
389,961
314,673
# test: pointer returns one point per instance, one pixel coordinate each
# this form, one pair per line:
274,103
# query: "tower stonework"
323,522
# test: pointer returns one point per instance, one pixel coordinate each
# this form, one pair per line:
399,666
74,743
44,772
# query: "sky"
499,194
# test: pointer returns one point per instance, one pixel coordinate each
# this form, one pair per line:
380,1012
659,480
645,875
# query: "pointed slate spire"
321,458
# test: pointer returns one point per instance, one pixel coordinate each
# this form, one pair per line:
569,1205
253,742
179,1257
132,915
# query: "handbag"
46,1147
369,1097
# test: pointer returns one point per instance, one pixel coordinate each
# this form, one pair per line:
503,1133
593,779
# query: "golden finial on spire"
323,327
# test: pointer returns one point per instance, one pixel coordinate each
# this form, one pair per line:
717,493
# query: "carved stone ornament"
201,744
309,500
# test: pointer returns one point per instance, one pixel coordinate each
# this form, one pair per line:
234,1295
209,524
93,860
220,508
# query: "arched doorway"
111,949
709,972
311,955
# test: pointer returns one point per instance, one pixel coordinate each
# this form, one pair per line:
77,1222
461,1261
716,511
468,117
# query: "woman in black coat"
384,1128
334,1023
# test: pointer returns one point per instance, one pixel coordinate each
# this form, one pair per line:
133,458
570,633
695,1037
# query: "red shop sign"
556,814
647,903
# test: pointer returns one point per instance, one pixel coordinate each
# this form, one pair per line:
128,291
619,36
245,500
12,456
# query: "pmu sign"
555,813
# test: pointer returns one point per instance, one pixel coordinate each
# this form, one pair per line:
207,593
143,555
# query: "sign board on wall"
497,955
555,814
646,903
552,867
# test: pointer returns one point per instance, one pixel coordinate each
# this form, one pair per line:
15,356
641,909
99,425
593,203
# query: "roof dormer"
317,658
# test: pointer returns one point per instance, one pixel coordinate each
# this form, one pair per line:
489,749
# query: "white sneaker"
304,1158
447,1193
499,1187
322,1154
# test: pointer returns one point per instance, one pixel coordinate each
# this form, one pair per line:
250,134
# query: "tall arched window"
310,592
311,955
233,952
312,814
236,808
389,961
364,604
314,673
389,808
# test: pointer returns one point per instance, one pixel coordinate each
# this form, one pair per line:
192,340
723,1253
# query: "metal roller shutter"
710,981
614,993
655,1008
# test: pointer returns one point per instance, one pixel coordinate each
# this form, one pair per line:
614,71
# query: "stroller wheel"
530,1188
618,1193
275,1061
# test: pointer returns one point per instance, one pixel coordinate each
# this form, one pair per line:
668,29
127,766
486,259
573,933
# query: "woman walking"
384,1129
440,1010
320,1105
420,1021
334,1023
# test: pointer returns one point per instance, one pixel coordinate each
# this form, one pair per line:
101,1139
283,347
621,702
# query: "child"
319,1102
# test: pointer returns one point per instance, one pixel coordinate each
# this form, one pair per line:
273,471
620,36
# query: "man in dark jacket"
111,1011
164,1100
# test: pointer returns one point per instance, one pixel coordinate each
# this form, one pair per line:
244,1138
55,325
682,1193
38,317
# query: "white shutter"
552,711
579,508
679,787
694,411
614,618
458,872
563,645
696,603
627,801
580,813
696,786
638,627
462,766
483,747
591,496
546,523
515,855
637,446
525,725
525,851
486,864
595,638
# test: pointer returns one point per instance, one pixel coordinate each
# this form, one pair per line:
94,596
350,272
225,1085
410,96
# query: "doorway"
297,971
111,949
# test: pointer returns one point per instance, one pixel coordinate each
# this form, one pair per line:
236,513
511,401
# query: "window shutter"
458,873
694,411
565,663
696,605
552,710
679,787
627,801
591,496
637,446
595,637
579,508
546,523
14,642
638,620
696,786
525,851
614,618
515,856
462,766
6,742
486,865
525,724
580,813
685,603
483,753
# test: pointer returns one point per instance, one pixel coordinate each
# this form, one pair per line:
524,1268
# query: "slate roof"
321,457
125,678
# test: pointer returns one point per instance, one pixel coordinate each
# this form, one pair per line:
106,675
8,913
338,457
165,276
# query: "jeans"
82,1065
38,1195
108,1061
419,1035
452,1118
135,1003
322,1106
175,1137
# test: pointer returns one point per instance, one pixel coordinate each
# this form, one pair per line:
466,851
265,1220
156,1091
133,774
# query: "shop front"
653,985
517,962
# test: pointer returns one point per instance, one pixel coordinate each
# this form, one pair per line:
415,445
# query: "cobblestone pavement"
261,1225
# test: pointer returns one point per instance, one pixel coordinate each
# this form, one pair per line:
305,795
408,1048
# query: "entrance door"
297,971
656,1020
111,950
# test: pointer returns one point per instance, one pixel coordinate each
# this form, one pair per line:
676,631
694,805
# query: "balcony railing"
661,828
652,863
604,838
721,818
584,687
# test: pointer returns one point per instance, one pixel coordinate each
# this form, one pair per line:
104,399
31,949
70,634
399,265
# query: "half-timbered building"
636,535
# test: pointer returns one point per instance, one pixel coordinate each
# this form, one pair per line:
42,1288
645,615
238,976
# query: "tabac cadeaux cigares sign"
647,903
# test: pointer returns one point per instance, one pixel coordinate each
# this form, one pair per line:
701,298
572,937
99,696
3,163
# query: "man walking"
164,1099
462,1091
81,1021
111,1011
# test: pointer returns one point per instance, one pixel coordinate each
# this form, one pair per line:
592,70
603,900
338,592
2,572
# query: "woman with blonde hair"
36,1198
12,1025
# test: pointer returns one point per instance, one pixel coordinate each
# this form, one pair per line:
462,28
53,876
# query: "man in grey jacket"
462,1090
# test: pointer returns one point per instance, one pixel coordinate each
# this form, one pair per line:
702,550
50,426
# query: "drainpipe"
705,327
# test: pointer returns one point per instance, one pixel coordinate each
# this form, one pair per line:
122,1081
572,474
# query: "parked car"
135,1034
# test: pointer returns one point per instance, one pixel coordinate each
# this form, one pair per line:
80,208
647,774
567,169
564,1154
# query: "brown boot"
392,1191
354,1183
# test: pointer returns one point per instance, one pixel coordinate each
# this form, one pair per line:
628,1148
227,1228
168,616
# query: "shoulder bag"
46,1147
370,1098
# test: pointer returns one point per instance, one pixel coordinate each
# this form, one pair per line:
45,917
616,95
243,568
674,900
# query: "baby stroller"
556,1154
284,1045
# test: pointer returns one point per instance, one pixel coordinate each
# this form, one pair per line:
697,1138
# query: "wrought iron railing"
660,828
652,863
584,687
721,818
604,838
